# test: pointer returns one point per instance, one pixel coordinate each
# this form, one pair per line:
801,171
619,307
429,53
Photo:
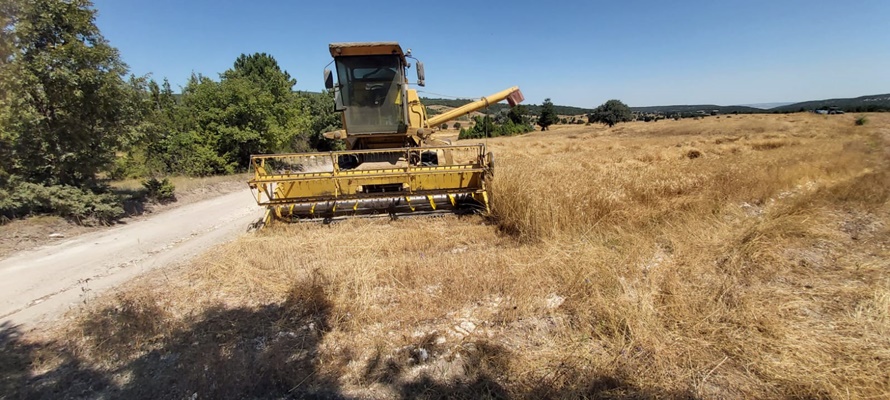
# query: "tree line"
532,109
214,126
71,118
514,121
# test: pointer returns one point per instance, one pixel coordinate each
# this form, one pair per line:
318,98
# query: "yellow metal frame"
314,185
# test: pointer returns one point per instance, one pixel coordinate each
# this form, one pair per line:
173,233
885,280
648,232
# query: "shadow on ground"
135,202
270,351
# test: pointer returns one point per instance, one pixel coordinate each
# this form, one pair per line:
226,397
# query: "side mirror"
328,79
421,78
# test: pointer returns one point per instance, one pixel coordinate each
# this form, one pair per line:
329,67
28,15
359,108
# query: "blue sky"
579,53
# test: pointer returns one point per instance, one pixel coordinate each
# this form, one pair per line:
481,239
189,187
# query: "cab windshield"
370,88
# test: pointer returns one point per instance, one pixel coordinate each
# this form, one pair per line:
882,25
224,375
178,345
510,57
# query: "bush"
457,125
130,166
186,155
20,199
444,126
861,121
488,127
162,191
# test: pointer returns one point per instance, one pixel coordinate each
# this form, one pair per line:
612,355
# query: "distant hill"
875,102
767,106
871,103
495,108
691,109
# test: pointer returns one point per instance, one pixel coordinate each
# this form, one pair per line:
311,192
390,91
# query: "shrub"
187,155
20,199
488,127
457,125
161,191
861,121
444,126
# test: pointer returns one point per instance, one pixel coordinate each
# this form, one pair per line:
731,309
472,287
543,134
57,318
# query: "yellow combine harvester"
392,164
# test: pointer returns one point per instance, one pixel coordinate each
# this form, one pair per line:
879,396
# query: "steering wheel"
378,92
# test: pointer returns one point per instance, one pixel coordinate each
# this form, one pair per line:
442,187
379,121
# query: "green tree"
65,101
217,126
134,162
214,127
9,9
319,107
192,144
517,114
498,125
611,113
548,115
263,69
148,151
278,119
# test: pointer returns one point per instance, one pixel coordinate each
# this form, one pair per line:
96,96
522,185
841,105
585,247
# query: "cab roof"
366,49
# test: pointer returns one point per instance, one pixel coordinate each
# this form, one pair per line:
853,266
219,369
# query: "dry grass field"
731,257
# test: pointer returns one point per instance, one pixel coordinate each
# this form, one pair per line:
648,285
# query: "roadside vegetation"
714,258
132,198
66,136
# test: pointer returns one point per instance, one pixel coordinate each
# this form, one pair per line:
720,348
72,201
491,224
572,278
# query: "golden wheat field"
731,257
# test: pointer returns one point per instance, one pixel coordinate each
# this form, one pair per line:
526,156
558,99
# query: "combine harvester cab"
392,165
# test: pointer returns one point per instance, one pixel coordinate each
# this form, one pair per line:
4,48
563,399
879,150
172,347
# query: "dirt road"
38,285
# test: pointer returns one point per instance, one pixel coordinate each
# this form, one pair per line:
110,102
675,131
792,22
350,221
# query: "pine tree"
548,115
